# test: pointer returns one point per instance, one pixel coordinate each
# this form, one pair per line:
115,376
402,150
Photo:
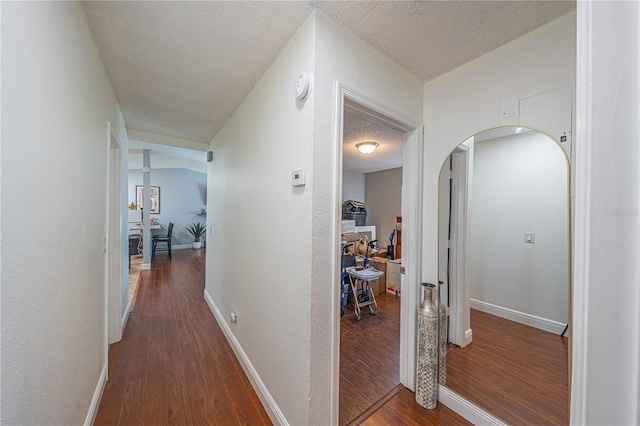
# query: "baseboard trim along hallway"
275,414
97,396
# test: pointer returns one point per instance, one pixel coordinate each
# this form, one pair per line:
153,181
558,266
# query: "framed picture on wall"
155,199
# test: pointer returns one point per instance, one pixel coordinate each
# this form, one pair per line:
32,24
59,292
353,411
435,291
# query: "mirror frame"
450,394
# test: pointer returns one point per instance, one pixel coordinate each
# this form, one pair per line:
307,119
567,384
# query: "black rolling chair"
162,239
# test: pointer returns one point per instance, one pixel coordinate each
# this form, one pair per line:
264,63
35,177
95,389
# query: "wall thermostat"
302,86
298,177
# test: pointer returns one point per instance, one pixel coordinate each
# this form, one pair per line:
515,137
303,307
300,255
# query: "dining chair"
162,239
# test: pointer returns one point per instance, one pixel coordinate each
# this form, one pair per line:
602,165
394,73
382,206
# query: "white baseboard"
181,246
468,337
466,408
272,409
146,266
545,324
125,318
97,396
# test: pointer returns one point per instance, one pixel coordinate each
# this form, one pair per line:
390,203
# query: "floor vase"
427,350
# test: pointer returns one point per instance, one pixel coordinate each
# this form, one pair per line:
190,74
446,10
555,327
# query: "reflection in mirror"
504,266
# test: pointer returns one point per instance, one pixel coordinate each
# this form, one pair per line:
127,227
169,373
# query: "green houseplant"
197,229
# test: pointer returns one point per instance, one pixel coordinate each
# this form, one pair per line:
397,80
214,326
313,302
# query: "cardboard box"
393,277
381,265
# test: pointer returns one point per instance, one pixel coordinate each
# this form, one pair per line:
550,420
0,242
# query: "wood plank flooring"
369,356
517,372
370,371
174,365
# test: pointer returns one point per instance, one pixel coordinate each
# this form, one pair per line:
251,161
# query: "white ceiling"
359,128
167,157
180,69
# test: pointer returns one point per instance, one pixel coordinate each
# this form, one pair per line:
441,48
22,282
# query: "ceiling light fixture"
367,147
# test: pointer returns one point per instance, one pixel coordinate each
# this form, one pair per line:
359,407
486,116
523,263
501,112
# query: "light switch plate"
298,177
530,237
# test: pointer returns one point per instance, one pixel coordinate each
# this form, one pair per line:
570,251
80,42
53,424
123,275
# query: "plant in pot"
197,229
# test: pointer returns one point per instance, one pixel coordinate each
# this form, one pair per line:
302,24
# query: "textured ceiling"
431,38
180,69
360,128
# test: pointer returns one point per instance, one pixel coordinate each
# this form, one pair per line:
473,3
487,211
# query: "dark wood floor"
174,365
517,372
370,370
369,356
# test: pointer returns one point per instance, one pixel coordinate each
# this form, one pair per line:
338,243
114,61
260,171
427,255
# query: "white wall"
181,199
261,268
353,186
340,57
384,201
606,350
467,100
56,100
285,326
520,185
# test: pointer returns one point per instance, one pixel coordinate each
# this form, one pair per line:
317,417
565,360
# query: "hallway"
174,364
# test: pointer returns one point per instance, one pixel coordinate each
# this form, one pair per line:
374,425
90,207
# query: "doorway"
116,309
352,102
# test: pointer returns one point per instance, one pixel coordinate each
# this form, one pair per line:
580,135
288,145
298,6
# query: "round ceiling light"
367,147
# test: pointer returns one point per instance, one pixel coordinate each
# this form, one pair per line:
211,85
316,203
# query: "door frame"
114,321
412,223
460,283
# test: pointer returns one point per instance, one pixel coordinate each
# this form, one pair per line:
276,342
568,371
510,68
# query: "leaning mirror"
504,261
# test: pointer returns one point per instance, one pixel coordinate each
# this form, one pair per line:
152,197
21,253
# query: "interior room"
178,196
372,238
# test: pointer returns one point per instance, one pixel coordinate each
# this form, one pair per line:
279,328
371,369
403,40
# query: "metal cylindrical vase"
427,350
442,337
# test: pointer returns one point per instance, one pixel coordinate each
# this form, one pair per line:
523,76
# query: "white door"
459,286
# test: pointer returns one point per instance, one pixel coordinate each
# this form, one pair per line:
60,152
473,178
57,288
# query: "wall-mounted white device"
234,317
530,237
301,88
298,177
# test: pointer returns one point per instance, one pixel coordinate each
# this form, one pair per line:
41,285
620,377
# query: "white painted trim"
412,254
181,246
146,266
468,337
97,396
412,176
582,154
460,282
125,318
541,323
275,414
466,408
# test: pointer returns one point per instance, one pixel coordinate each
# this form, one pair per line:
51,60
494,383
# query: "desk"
137,226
